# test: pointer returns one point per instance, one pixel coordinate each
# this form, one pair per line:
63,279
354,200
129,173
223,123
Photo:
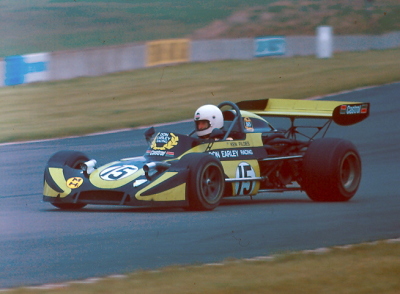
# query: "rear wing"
342,113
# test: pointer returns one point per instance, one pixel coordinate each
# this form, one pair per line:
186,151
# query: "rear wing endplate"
342,113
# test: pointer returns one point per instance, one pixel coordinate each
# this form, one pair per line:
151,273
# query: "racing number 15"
115,173
244,170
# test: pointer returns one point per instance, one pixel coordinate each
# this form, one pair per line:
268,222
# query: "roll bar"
235,120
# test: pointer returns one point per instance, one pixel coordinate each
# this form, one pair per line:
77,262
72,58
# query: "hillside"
303,16
53,25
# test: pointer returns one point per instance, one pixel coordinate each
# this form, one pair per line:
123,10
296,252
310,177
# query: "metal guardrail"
62,65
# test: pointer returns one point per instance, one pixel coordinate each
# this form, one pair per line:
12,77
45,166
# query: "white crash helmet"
213,117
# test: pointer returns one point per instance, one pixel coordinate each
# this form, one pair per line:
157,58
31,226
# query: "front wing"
67,185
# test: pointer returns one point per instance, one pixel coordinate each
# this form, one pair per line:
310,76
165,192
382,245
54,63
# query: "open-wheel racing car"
246,157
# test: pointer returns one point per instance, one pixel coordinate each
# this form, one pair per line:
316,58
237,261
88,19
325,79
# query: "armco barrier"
300,46
210,50
358,43
390,40
96,61
365,42
104,60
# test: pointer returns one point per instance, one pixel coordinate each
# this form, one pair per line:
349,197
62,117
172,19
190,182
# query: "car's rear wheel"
72,159
206,181
331,170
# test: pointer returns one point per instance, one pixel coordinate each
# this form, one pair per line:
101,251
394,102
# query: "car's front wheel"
206,181
72,159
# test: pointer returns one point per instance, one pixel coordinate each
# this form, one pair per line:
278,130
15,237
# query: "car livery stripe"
177,193
50,181
57,174
176,180
48,191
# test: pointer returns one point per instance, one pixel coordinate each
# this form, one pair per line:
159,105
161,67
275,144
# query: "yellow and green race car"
246,157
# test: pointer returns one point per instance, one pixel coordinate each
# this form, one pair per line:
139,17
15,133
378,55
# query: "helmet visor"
202,125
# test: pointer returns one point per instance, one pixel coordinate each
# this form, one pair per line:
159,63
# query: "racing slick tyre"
73,159
331,170
206,181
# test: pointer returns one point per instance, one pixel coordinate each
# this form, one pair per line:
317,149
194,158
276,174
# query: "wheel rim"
350,172
211,184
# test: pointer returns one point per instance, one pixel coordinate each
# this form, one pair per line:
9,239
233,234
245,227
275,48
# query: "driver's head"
207,118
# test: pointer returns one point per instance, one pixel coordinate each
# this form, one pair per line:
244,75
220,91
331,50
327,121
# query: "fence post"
324,42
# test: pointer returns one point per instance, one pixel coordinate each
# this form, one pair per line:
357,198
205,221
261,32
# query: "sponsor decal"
74,182
244,171
248,125
364,108
353,109
270,45
239,143
20,69
160,153
225,153
156,152
118,172
229,153
246,152
215,154
234,153
164,141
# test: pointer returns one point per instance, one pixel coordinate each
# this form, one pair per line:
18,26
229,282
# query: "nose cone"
115,175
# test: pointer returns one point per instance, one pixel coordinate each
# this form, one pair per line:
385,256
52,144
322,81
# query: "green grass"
164,94
362,269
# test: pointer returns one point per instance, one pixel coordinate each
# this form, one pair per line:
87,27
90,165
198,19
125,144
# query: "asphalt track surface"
40,244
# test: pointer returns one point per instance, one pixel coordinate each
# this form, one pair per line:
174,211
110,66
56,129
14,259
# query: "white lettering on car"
246,152
353,109
229,153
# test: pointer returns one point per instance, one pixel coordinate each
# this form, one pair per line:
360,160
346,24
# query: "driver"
207,118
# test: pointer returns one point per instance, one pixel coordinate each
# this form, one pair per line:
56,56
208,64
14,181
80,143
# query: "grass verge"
163,94
361,269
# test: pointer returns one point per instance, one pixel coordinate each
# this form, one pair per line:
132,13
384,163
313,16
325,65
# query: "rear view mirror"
148,134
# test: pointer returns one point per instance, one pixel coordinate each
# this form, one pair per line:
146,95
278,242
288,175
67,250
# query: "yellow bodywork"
230,166
102,184
57,175
301,108
174,194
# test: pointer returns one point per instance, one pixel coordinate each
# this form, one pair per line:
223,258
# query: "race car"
246,157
